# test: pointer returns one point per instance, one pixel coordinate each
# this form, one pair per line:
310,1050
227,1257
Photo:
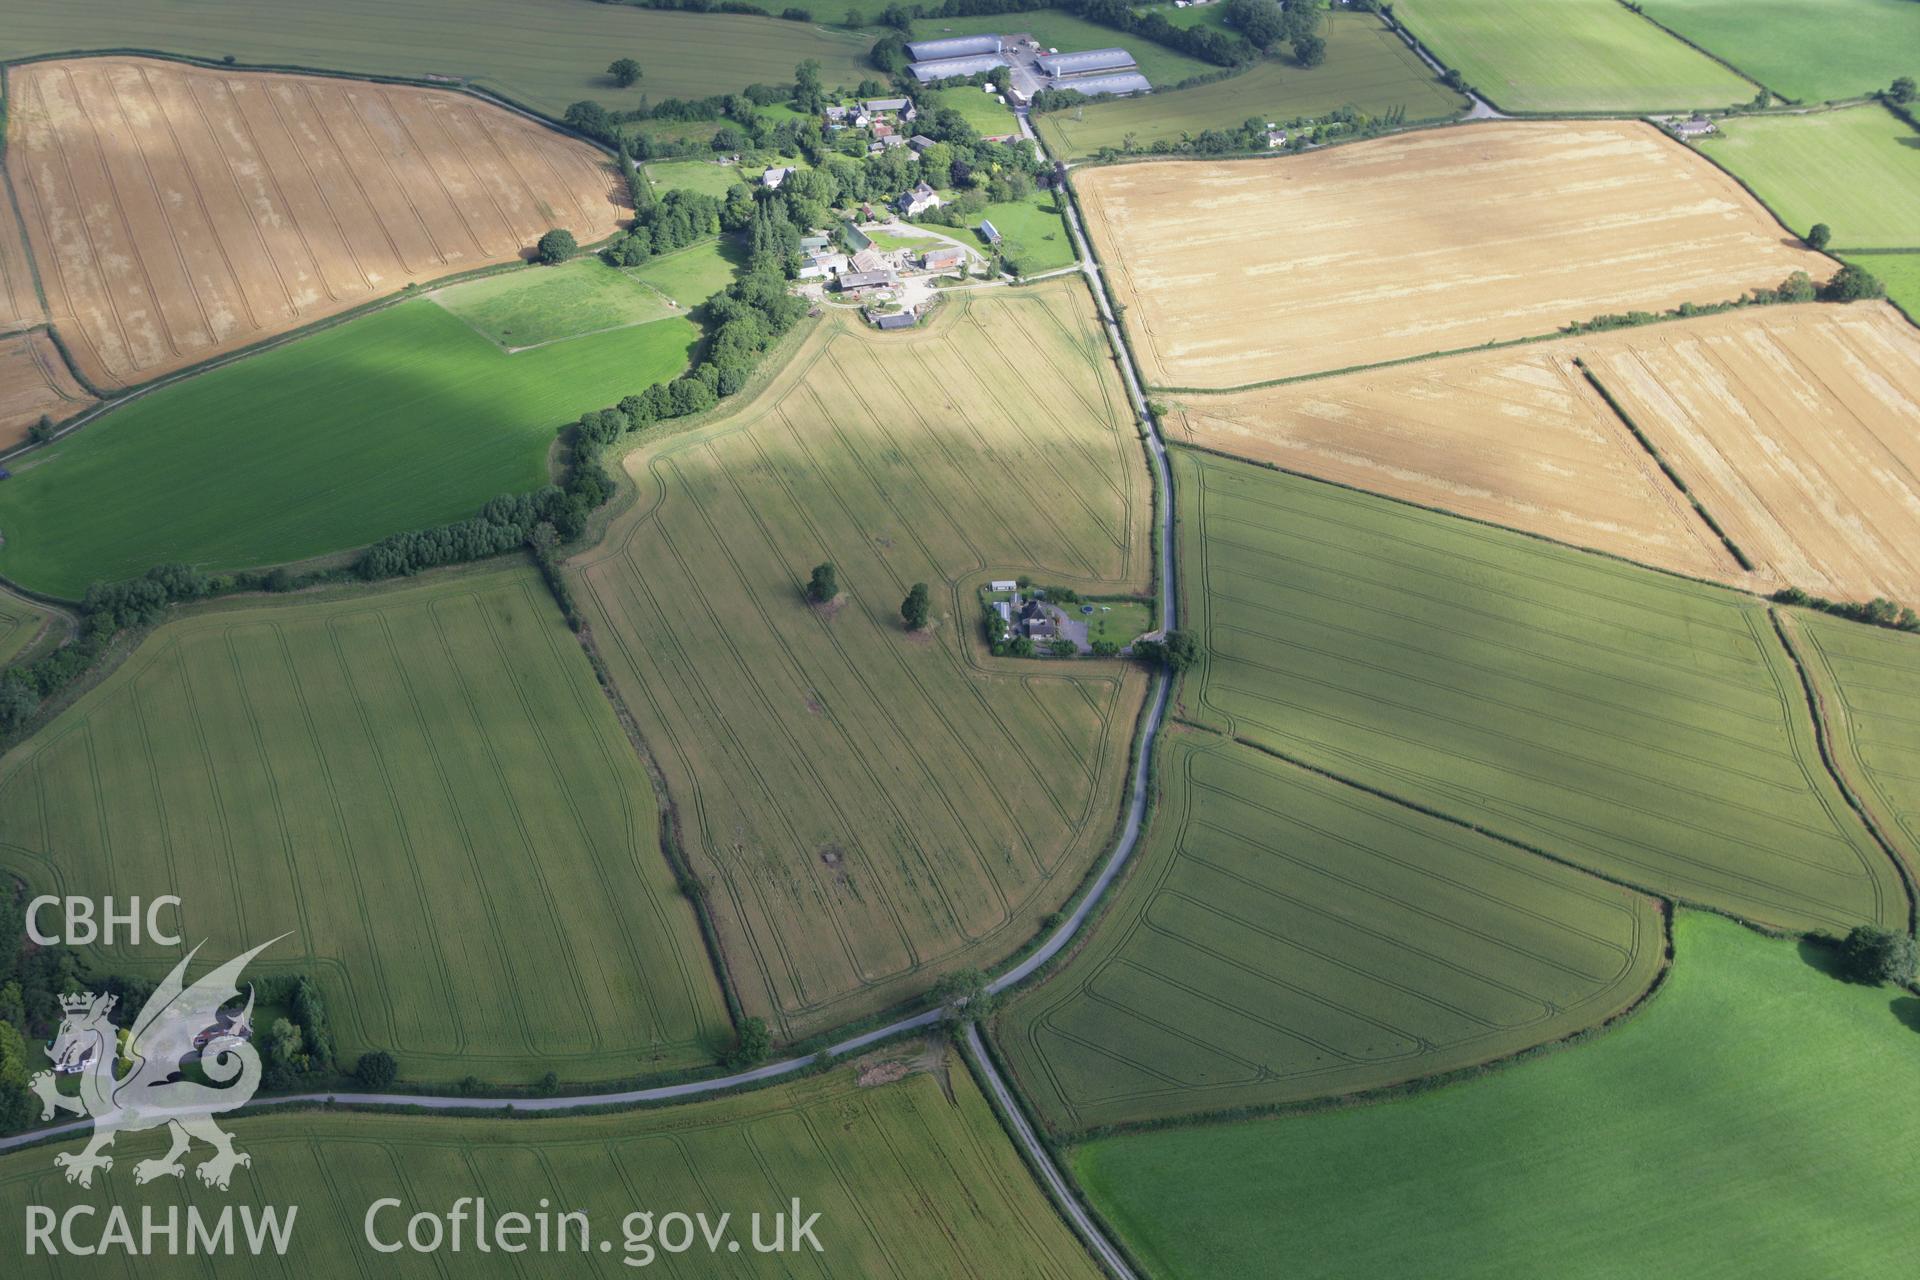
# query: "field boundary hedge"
1660,460
1817,708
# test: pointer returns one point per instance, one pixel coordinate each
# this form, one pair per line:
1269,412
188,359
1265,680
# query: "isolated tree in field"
753,1046
914,609
376,1069
556,246
1309,50
625,72
41,431
1874,955
963,997
1818,235
824,585
1902,90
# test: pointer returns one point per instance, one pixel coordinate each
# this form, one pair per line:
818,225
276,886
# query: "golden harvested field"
1516,437
1244,271
868,808
34,380
19,304
1797,427
176,212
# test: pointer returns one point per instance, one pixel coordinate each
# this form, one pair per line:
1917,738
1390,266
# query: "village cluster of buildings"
1033,68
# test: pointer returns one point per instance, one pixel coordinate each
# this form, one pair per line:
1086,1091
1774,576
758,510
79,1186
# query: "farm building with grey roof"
1124,82
951,47
946,68
1077,64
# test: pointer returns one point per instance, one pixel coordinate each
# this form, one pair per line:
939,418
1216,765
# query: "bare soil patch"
1245,271
34,380
178,212
1798,428
1516,437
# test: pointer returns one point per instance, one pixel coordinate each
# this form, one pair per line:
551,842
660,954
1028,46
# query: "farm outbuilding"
1087,63
1124,82
946,68
952,47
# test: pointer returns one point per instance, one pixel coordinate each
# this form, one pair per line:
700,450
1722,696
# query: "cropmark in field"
1287,937
426,788
1570,55
1645,727
899,1154
867,808
34,381
1246,271
177,212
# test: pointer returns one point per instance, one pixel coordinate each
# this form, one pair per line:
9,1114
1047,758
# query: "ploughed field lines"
1647,728
1245,271
1869,685
425,788
179,212
867,808
910,1177
1288,937
34,380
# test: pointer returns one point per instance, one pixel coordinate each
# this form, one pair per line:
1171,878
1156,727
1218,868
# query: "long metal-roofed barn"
1087,63
973,65
952,47
1125,82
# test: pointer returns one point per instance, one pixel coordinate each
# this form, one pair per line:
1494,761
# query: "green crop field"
548,304
1856,170
1646,727
691,275
20,621
907,1179
1900,272
1286,937
1869,681
989,119
544,53
918,804
1750,1117
1819,52
703,176
1571,55
1367,66
402,418
426,787
1058,29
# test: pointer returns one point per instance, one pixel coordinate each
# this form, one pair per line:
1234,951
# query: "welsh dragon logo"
176,1023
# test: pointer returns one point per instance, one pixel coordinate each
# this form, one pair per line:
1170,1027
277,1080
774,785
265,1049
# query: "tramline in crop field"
34,380
1246,271
176,213
1287,937
916,803
425,788
1645,727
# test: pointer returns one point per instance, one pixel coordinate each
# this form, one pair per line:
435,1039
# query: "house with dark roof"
895,320
1036,621
917,201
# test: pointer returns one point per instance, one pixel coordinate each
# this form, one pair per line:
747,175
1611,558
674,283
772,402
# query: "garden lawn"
1569,55
1034,234
703,176
1750,1120
399,419
1811,52
989,119
1121,621
547,304
1058,29
543,53
1367,66
1856,170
